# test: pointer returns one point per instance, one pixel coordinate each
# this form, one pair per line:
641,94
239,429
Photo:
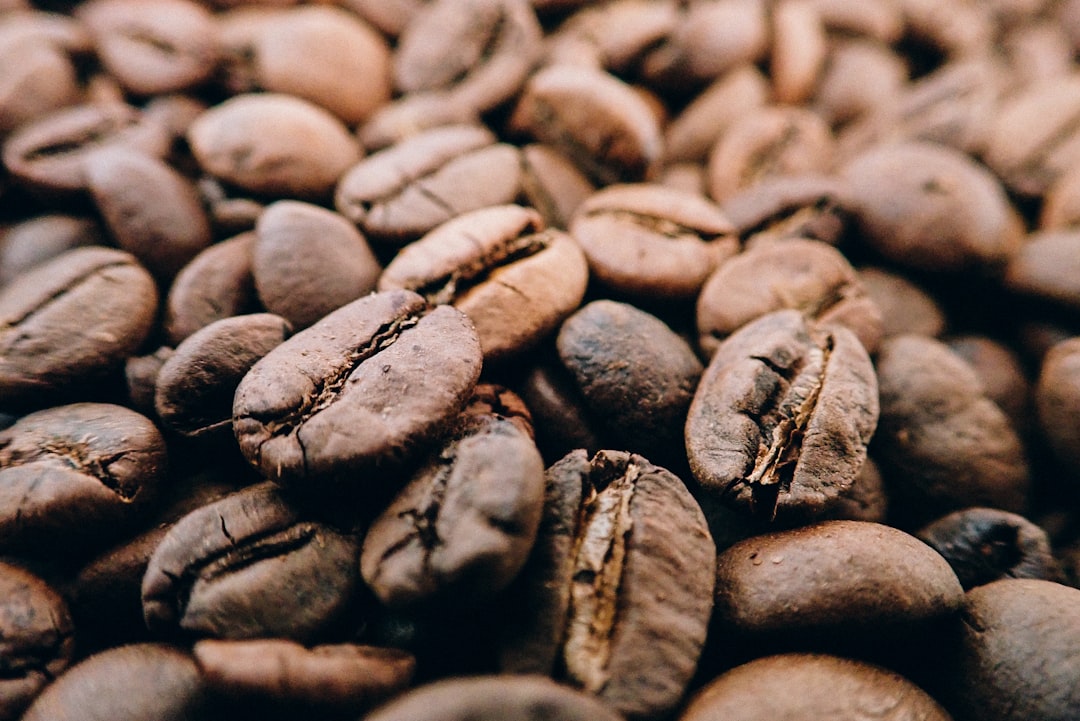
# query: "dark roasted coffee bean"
76,475
942,444
356,390
71,320
649,241
986,544
514,279
308,261
506,698
129,683
140,373
562,422
1057,400
250,566
634,373
462,527
38,638
617,565
1017,653
1047,267
866,500
781,419
811,686
195,386
42,238
807,275
1002,374
905,307
216,284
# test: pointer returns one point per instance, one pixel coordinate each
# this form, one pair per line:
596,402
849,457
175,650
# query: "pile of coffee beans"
540,360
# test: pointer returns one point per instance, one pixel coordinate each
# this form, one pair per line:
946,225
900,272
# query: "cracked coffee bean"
616,569
781,419
76,476
515,279
354,393
251,566
38,638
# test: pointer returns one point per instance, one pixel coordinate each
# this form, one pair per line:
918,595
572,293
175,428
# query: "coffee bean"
1046,266
781,419
1057,400
808,205
860,76
1002,374
355,391
34,241
798,51
514,279
38,638
613,36
71,320
216,284
251,566
141,373
552,185
693,132
29,62
905,307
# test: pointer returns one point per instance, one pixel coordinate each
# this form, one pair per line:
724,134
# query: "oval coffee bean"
514,279
356,390
783,207
1046,267
38,638
781,419
1017,653
249,566
216,284
42,238
71,320
552,184
76,474
27,62
905,307
1057,400
196,384
831,580
801,687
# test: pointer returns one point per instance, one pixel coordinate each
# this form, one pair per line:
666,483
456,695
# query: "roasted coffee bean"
250,566
495,697
76,475
649,241
411,115
42,238
129,683
153,46
1002,374
634,373
30,62
930,207
356,390
552,185
339,677
38,638
462,527
806,275
986,544
216,284
514,279
693,132
1057,400
808,205
859,77
866,500
1017,653
781,419
608,582
562,422
308,261
905,307
404,191
1046,267
229,214
942,444
613,36
48,153
141,374
273,144
833,582
196,384
149,209
798,50
811,686
72,320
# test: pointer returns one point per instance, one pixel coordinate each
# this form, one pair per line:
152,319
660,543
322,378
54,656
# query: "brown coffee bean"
941,442
807,205
866,500
930,207
71,320
562,422
1046,266
41,238
356,390
48,154
905,307
1017,652
463,526
231,213
648,241
1038,52
389,16
196,384
153,46
216,284
811,686
150,210
76,475
64,32
38,638
807,275
613,36
28,62
798,50
340,678
273,144
551,184
597,120
308,261
781,419
1002,374
495,697
402,192
411,115
514,279
860,77
140,373
1057,400
693,132
251,566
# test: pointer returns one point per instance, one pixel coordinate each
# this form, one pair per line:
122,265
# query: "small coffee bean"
562,421
860,76
552,185
216,284
612,36
141,374
356,390
798,50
